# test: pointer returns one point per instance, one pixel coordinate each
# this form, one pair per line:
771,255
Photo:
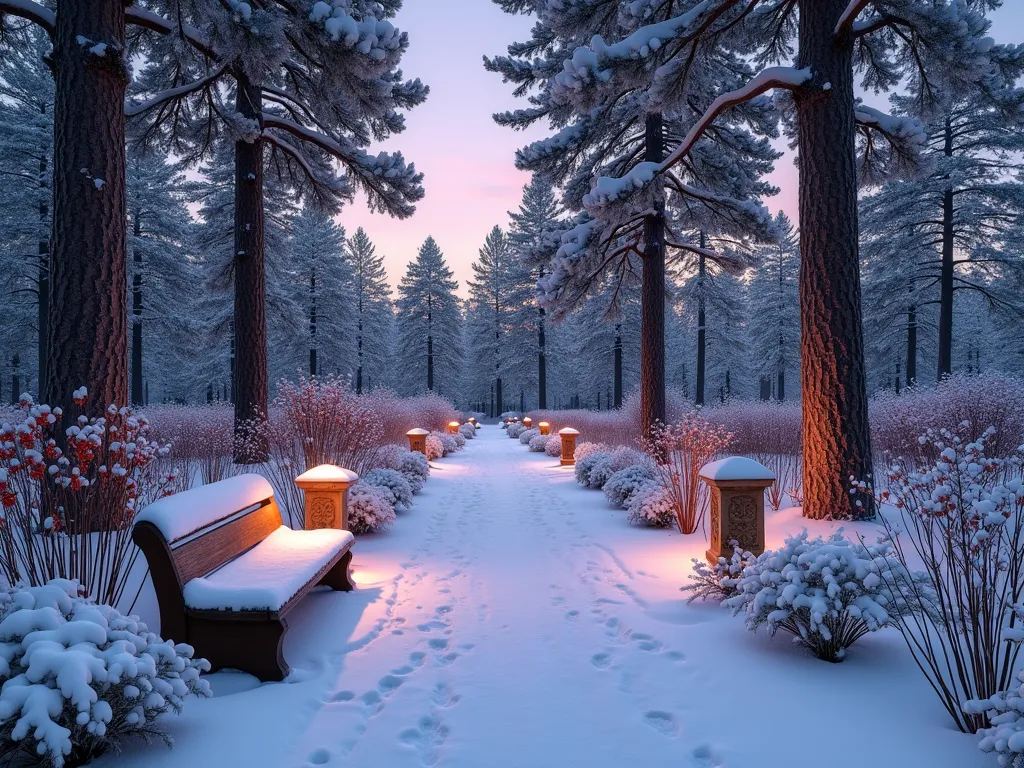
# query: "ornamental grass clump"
680,451
827,593
79,678
958,517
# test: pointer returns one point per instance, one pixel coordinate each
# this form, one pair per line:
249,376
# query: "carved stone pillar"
544,427
326,491
737,504
418,440
569,437
453,427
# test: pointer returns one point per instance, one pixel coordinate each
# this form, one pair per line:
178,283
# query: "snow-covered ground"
512,619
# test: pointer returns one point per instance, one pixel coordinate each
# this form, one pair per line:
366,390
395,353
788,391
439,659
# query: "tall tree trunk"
15,378
702,273
250,287
312,322
359,346
43,279
542,362
946,269
617,382
837,440
911,345
137,397
782,385
87,340
652,296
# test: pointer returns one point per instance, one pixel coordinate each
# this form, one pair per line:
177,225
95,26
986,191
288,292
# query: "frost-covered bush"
528,434
412,464
435,447
615,462
1005,711
720,580
624,483
449,444
553,445
369,508
828,593
585,449
394,482
515,430
538,443
651,505
585,465
80,677
468,431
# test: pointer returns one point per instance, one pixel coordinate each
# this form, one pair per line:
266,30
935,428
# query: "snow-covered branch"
34,12
849,16
155,22
171,94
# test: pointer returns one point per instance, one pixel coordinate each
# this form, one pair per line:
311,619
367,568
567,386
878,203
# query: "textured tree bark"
136,384
652,296
542,362
782,385
946,288
359,347
702,271
312,323
250,374
837,440
43,280
617,382
911,345
87,340
15,378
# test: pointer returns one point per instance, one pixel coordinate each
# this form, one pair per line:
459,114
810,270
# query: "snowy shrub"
586,465
828,593
202,436
527,435
394,482
369,508
396,415
414,466
77,524
435,447
451,443
720,580
681,450
585,449
538,443
1005,711
651,505
79,677
460,440
468,431
553,445
515,430
959,518
614,462
624,483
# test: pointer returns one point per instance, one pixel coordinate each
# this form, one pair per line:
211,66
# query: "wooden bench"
227,572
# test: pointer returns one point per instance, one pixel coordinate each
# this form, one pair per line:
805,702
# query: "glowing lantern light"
569,437
326,492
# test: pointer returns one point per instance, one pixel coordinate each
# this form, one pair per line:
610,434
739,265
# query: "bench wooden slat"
204,554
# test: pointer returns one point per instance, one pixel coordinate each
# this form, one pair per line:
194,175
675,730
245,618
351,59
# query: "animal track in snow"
426,738
663,722
601,660
319,756
704,757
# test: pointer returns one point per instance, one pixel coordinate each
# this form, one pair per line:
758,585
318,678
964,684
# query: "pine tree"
429,326
774,312
161,275
374,314
930,49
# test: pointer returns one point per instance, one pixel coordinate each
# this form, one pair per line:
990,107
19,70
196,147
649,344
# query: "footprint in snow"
430,626
319,757
646,642
426,738
572,615
438,644
444,696
704,757
601,660
388,684
663,722
448,658
342,696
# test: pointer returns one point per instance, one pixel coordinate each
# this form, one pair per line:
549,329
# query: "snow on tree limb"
157,23
34,12
849,16
171,94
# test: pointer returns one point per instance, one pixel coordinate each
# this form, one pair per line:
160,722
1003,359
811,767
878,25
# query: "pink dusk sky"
467,160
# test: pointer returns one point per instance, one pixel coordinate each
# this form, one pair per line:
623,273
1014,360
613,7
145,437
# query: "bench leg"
255,647
339,578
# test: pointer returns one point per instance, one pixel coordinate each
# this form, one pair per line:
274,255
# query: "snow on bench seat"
267,576
189,511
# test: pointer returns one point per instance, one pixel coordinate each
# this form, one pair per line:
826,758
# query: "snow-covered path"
513,620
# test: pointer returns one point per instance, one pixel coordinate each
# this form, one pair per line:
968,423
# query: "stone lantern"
326,491
737,487
418,440
544,427
569,437
527,422
453,427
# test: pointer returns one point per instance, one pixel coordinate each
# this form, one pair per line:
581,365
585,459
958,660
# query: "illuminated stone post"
737,487
418,440
544,427
569,437
326,491
527,422
453,427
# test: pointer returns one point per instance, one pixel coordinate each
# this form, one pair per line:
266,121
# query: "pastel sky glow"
468,161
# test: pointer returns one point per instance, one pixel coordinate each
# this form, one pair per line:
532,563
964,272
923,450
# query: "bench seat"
270,574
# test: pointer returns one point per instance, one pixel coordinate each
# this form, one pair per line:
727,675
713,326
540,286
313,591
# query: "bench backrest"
195,532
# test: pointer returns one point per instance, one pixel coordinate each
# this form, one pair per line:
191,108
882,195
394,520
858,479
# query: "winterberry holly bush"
69,493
